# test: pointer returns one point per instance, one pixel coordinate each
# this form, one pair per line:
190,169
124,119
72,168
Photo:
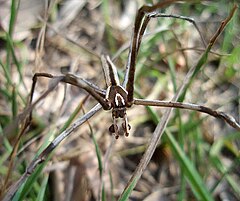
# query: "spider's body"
116,97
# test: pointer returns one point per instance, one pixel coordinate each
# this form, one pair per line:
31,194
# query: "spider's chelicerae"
117,97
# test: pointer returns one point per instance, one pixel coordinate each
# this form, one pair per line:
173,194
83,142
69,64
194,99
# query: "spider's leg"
91,85
110,71
189,106
25,117
34,82
34,79
92,89
189,19
144,14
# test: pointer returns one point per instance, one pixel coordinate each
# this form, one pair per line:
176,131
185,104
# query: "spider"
117,97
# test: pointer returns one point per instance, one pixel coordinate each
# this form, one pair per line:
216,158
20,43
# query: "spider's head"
117,97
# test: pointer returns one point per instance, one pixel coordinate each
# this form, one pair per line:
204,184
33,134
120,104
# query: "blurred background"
70,36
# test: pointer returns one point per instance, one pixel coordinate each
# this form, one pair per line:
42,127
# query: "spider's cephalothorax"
116,96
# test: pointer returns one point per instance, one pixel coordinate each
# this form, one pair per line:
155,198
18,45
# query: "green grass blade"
111,182
43,188
182,192
103,194
197,68
224,170
196,183
128,190
29,183
27,186
14,102
100,163
10,30
99,155
6,73
12,17
14,57
193,177
219,165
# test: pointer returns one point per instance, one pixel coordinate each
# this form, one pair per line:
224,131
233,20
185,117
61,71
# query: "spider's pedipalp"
120,130
126,126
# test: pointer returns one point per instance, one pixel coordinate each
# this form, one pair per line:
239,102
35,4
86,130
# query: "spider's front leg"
144,14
